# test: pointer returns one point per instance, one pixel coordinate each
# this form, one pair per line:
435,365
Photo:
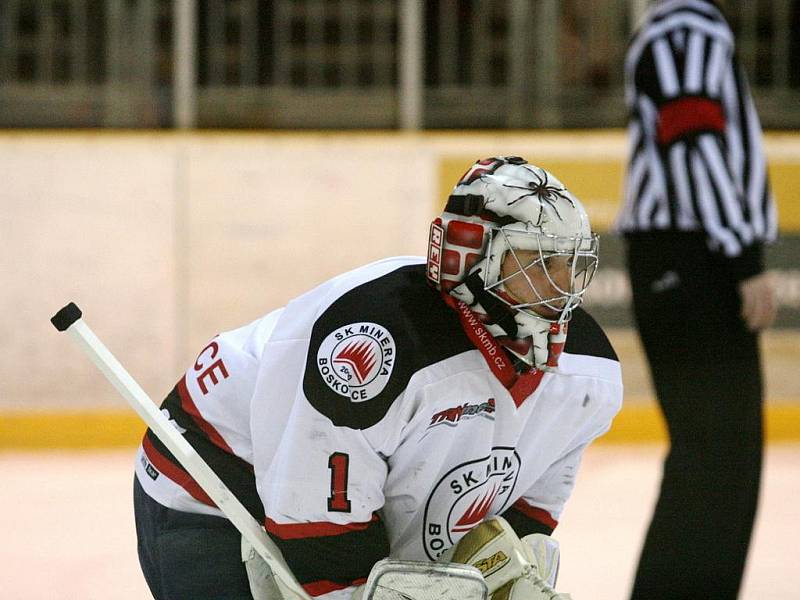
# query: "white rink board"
88,219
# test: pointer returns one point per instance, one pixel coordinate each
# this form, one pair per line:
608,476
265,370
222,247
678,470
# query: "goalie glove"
514,569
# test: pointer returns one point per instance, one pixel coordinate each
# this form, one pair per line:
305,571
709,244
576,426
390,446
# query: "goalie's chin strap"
519,385
499,313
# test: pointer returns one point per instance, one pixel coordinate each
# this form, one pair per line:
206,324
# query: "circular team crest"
465,495
356,360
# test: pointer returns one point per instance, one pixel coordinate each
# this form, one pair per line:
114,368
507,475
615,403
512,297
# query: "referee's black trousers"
706,370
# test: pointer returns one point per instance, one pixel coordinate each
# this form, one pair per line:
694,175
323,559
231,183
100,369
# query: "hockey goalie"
410,429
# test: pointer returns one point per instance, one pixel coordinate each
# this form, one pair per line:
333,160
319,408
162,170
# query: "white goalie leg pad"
392,579
388,580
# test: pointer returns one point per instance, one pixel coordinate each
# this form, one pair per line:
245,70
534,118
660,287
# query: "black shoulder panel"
586,337
366,346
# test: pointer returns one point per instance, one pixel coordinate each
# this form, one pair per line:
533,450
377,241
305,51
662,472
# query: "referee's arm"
690,88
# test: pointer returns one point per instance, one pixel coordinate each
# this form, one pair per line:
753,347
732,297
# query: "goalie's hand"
514,569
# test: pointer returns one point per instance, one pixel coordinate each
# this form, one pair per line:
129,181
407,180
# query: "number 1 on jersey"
339,464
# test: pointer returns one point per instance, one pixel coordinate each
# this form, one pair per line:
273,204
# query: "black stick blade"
66,316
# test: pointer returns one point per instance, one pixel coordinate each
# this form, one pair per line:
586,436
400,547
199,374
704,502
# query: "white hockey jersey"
372,416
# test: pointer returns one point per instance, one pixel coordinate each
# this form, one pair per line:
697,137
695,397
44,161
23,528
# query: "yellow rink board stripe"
51,430
598,182
642,422
637,422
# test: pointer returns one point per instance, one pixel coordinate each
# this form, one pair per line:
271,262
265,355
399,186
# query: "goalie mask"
516,246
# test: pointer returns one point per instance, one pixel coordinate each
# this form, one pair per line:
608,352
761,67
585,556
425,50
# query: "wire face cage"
557,269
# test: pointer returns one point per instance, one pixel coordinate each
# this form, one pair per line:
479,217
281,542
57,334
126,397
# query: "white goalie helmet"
499,207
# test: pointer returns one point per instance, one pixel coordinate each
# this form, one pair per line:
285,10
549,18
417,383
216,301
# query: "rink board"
166,239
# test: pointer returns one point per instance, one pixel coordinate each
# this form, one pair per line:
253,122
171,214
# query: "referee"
697,214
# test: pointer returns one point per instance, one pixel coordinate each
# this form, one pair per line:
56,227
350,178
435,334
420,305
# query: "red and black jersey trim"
164,462
190,408
235,472
526,519
587,337
321,555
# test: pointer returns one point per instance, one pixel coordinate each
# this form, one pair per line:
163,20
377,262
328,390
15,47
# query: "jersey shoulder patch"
586,337
366,346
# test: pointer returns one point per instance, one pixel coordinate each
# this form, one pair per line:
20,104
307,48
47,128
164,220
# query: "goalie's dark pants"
707,375
188,556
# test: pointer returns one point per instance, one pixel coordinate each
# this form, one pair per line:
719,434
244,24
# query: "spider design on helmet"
541,188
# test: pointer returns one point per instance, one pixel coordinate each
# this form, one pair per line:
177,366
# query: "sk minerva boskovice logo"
465,495
356,360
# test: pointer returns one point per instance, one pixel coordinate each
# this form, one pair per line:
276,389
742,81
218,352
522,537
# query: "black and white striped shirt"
696,160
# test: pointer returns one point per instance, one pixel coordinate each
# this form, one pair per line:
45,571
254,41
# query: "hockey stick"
69,319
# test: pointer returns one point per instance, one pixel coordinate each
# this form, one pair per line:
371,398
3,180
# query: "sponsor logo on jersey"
466,495
452,416
356,360
151,471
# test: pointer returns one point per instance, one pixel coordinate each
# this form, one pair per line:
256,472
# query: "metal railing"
350,63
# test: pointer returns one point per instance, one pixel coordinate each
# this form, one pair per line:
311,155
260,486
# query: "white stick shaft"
194,464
